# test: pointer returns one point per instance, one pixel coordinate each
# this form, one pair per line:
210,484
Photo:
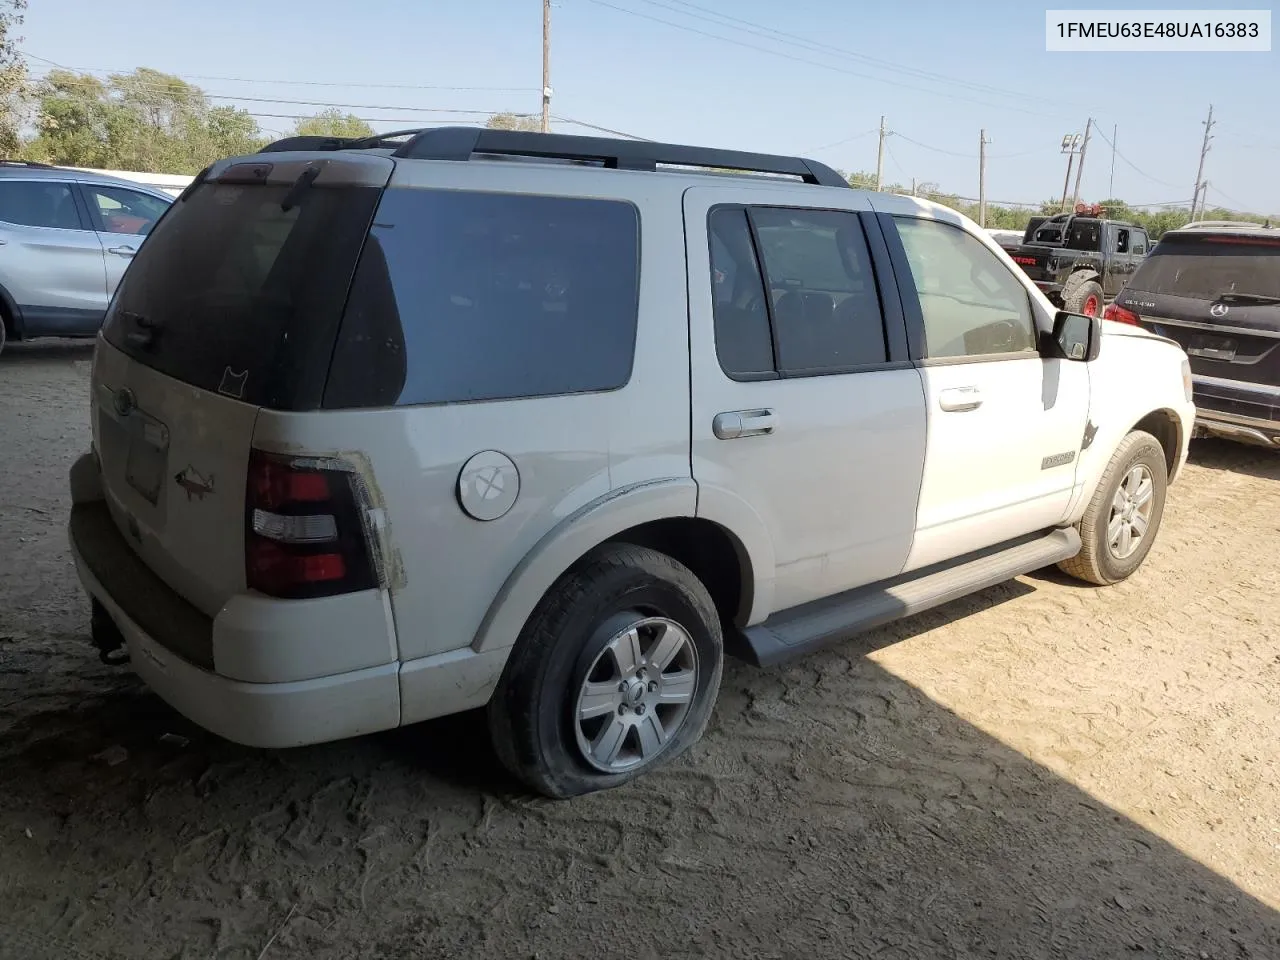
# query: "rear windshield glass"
1205,268
465,296
227,279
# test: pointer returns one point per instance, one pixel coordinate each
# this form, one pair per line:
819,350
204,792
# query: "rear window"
1206,268
465,296
231,293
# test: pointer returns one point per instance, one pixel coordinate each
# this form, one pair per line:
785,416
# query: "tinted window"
1205,268
1122,240
743,341
485,296
1139,241
826,309
231,292
35,203
124,211
1084,235
972,305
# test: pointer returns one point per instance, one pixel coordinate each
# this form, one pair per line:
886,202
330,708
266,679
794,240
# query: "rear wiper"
1248,298
305,179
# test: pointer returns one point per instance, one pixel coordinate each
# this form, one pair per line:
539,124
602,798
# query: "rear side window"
36,203
465,296
232,293
1206,268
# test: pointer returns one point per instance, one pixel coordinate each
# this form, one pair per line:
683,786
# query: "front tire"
615,674
1121,522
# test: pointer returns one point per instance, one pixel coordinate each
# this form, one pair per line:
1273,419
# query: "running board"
791,633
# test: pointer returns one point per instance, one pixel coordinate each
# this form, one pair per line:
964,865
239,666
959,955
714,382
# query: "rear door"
805,405
231,304
1218,295
1005,424
121,218
50,261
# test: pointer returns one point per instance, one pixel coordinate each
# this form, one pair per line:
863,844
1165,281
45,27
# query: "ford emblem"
125,402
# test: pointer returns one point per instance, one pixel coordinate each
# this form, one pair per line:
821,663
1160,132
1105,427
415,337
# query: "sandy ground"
1042,770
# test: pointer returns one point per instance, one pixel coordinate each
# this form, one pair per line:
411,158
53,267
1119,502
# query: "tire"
569,642
1081,294
1099,561
4,332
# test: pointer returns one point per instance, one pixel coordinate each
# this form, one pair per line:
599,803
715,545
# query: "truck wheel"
1122,520
615,674
1082,294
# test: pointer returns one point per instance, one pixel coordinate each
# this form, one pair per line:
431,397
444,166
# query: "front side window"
467,296
39,203
121,210
972,305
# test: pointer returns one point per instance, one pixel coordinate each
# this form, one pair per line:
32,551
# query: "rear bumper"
218,672
1240,411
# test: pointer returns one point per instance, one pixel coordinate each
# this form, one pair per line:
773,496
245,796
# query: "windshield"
1206,268
228,279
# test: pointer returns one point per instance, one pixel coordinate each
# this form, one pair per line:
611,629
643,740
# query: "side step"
791,633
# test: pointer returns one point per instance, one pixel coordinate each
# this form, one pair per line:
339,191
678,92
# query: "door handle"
122,251
735,424
960,399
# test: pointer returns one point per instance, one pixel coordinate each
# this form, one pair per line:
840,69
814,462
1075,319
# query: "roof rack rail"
5,161
463,143
1234,224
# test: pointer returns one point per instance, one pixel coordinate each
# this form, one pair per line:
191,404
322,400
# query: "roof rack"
464,143
5,162
1230,224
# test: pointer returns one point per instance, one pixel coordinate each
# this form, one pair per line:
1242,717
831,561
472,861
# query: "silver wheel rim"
636,696
1130,517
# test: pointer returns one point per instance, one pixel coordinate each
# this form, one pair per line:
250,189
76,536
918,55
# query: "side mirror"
1075,336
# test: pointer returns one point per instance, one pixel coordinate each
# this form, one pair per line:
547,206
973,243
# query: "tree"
513,121
13,76
146,120
332,123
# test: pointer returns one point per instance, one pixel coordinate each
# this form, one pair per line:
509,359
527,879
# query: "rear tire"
1082,294
568,716
1122,520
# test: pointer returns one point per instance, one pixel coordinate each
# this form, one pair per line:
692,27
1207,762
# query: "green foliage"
513,121
332,123
147,121
13,77
1016,218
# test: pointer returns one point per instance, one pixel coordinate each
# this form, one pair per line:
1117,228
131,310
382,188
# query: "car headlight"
1187,385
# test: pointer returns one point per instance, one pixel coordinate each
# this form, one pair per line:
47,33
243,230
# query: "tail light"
308,528
1120,314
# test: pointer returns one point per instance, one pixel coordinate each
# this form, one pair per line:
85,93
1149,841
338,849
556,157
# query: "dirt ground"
1042,770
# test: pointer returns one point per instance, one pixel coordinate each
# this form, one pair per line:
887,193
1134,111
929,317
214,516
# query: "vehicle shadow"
832,810
1213,453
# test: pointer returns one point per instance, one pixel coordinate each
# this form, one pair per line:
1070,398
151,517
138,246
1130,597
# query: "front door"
806,411
51,263
1005,424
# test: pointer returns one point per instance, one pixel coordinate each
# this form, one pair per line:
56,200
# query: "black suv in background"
1214,287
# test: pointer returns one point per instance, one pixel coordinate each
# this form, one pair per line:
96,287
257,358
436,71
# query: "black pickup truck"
1080,260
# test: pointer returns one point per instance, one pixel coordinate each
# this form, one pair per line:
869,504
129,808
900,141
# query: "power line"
840,143
814,46
812,63
1139,170
301,83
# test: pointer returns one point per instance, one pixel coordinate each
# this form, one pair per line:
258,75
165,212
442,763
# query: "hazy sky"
804,76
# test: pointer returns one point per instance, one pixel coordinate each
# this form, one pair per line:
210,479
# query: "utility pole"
1204,150
982,178
546,66
913,186
880,158
1111,184
1080,166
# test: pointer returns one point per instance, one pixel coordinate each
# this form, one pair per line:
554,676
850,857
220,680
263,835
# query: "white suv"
389,429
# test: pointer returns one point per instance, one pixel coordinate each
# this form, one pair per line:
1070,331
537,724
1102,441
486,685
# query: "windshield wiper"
1248,298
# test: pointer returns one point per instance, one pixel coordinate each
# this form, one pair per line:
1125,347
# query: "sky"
808,77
